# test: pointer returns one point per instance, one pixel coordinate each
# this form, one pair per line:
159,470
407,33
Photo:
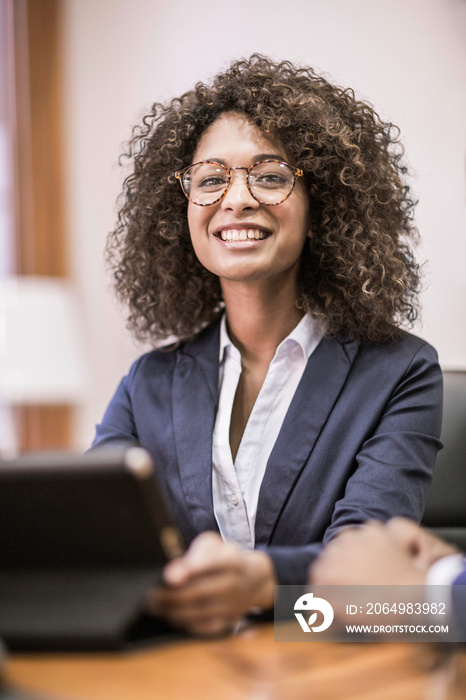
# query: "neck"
260,315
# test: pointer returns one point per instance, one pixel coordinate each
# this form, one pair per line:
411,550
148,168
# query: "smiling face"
238,238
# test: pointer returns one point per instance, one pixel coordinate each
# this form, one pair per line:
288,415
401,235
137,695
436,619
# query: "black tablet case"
82,538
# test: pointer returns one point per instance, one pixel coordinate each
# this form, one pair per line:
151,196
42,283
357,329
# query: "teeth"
234,234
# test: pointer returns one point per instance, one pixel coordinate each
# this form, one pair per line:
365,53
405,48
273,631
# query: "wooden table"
247,666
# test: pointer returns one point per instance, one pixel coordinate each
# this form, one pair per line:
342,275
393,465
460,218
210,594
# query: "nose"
238,196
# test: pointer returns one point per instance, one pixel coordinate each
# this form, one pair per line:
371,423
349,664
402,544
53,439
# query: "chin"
242,273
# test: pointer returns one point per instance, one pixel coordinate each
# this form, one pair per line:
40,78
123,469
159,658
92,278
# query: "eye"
208,177
270,180
271,176
211,183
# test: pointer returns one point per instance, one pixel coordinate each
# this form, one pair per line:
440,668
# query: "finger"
190,616
431,550
207,554
218,595
407,533
203,591
423,547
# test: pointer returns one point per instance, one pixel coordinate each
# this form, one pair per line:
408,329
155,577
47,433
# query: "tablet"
82,539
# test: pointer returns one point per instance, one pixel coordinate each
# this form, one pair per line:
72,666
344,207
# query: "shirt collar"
306,335
226,345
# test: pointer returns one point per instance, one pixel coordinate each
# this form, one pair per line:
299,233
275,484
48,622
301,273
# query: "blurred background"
76,75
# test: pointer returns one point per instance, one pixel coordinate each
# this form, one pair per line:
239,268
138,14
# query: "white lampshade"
42,355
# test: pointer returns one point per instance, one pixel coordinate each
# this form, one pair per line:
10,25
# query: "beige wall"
408,57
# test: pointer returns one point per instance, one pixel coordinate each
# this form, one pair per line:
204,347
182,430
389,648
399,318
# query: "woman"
292,405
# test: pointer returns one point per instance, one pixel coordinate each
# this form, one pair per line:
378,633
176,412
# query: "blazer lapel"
317,392
195,399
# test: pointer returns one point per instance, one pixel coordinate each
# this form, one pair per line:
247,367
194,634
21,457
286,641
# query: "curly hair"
358,274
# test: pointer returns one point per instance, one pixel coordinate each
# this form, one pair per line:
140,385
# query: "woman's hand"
209,589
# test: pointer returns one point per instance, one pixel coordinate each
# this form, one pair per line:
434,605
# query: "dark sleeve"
459,603
117,426
393,467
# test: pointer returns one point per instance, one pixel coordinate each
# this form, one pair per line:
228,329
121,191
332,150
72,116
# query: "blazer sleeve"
459,603
393,465
118,425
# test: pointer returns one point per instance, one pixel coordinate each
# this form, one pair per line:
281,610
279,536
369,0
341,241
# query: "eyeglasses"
270,182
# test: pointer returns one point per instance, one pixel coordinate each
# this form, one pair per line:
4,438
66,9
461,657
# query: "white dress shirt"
444,571
439,580
236,485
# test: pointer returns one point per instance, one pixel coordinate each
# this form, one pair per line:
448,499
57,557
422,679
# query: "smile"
233,234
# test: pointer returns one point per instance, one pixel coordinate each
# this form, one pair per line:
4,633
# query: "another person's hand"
209,589
424,548
398,553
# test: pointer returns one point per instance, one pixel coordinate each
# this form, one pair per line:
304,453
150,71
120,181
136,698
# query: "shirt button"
234,499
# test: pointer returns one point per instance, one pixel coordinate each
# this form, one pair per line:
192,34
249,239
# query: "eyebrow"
268,156
255,159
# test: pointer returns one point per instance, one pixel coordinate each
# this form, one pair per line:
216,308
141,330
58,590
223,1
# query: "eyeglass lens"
270,183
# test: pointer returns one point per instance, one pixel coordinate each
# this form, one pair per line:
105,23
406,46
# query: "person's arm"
459,600
393,466
117,426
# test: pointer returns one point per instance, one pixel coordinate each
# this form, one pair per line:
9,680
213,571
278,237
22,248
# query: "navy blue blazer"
459,603
359,440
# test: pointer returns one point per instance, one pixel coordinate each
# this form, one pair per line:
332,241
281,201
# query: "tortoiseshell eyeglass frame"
296,172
